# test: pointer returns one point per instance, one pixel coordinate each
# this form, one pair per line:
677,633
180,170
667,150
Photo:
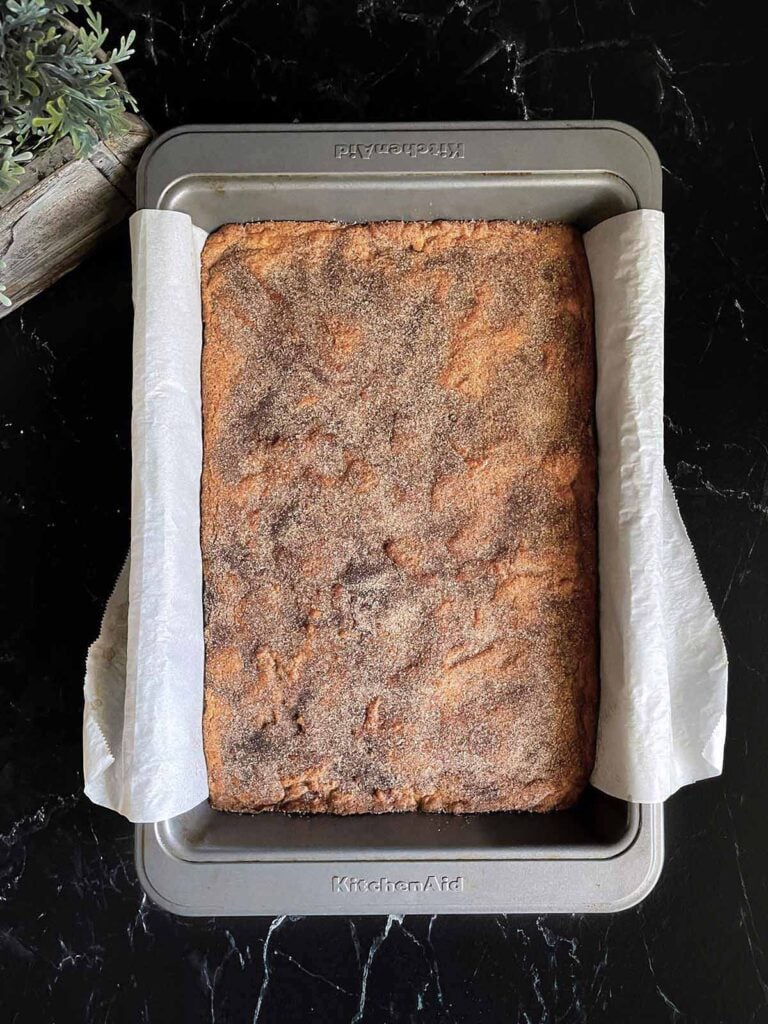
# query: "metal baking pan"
601,855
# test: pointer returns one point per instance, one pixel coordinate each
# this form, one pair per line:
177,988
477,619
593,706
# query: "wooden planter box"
60,207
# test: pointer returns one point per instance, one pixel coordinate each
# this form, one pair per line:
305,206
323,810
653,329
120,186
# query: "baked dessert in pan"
398,516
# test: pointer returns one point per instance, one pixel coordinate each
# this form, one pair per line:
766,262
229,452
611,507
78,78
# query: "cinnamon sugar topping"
398,516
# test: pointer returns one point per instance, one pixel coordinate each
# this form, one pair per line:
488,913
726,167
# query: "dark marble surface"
78,942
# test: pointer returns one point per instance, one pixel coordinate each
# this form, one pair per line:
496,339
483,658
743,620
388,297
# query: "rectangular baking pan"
603,854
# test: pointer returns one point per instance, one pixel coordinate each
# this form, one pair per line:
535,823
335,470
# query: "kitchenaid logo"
432,883
366,150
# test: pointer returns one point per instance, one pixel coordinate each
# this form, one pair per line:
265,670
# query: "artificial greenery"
54,81
4,300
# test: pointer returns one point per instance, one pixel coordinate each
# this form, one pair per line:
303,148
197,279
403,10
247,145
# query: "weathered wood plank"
61,208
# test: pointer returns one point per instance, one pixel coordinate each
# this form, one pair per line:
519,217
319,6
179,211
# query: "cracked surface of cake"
398,516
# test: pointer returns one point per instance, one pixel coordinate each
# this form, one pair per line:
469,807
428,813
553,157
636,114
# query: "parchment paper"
144,753
663,674
663,663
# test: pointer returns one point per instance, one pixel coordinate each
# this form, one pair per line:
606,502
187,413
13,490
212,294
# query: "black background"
78,942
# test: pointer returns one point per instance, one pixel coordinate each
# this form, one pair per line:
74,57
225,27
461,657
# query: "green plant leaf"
55,80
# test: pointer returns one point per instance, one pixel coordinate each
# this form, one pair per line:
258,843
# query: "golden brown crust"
398,517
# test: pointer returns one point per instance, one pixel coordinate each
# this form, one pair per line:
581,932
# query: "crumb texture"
398,517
